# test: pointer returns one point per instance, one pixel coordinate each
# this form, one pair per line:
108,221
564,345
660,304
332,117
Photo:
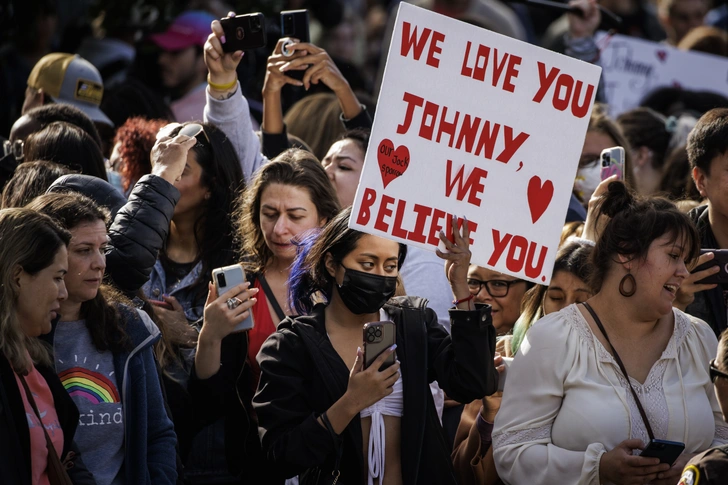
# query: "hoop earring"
633,283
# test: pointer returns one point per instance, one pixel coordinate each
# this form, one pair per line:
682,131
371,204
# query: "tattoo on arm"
225,96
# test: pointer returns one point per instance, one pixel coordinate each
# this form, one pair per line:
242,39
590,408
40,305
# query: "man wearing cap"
182,65
66,79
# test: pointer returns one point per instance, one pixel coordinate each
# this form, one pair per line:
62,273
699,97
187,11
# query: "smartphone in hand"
720,259
229,277
294,23
244,32
378,337
612,162
666,451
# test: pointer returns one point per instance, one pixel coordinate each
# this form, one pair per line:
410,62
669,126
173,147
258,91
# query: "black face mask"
365,292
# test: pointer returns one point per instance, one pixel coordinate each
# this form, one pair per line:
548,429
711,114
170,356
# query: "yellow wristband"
222,87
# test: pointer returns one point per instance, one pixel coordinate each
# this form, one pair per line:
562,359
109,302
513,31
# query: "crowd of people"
139,155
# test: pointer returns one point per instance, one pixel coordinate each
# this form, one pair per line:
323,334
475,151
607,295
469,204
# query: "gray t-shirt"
89,378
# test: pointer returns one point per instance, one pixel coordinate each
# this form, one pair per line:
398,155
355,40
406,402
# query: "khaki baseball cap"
70,79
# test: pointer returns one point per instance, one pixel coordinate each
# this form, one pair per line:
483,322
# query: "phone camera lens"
378,333
221,282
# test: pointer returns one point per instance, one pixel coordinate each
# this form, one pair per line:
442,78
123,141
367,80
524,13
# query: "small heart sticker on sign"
392,163
539,196
662,55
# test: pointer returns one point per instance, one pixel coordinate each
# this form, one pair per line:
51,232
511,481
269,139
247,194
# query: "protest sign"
632,68
473,124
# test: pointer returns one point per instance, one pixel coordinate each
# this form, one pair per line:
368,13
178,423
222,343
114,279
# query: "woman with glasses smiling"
502,292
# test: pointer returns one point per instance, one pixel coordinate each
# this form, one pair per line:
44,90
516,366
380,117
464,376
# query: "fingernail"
358,351
393,347
442,233
222,39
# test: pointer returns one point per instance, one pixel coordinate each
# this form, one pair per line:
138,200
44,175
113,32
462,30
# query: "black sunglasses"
715,372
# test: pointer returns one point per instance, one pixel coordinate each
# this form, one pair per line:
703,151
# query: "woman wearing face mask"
104,357
321,411
33,263
472,454
601,133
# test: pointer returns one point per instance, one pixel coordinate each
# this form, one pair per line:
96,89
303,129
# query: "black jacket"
14,434
302,376
709,305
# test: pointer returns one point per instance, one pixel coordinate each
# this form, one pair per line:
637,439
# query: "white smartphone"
229,277
612,162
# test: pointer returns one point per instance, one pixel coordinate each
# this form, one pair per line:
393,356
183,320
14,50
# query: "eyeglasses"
495,288
715,373
14,147
194,129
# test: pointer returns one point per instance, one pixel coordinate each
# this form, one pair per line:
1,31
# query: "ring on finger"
233,303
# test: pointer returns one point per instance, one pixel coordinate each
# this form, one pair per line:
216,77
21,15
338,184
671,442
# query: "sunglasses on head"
193,130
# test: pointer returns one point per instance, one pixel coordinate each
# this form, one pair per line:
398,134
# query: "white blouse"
566,402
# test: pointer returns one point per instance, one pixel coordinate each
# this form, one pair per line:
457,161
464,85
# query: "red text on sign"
470,187
468,133
486,60
389,215
521,254
411,42
567,92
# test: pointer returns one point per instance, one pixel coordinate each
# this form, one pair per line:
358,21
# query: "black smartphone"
721,260
666,451
294,23
244,32
378,337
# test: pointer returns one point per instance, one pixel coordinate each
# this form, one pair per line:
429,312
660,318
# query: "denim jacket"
184,291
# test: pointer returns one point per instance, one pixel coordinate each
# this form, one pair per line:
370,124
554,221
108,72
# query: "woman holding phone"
321,411
597,381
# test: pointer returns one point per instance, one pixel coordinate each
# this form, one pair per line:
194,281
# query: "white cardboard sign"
472,124
635,67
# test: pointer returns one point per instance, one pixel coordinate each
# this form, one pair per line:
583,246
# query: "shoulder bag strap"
271,297
56,469
621,367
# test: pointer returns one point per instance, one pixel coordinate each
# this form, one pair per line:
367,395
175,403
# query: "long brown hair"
30,240
295,167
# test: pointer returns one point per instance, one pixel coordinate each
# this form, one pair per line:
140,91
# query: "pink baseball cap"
189,29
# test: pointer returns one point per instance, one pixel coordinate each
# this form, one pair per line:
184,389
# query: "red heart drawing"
392,163
662,55
677,84
539,196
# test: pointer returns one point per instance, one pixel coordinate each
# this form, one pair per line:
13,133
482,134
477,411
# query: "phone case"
229,277
378,337
720,259
244,32
666,451
294,23
612,161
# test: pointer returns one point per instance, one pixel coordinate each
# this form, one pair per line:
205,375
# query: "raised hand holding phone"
612,162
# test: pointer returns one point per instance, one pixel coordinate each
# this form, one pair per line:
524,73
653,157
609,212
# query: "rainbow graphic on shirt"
89,385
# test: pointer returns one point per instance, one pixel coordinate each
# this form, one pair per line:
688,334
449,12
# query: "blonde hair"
31,241
316,120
